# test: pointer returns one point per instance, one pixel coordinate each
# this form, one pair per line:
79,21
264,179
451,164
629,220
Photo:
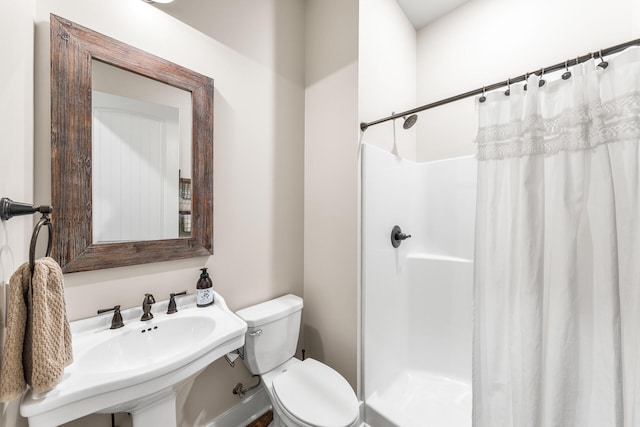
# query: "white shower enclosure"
417,299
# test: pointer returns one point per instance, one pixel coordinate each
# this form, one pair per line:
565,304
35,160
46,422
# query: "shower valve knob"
397,236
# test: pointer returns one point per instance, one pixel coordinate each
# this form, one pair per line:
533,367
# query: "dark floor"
263,421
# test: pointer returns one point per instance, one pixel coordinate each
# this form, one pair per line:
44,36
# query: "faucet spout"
146,307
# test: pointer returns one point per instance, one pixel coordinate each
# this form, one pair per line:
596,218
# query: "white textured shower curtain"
557,271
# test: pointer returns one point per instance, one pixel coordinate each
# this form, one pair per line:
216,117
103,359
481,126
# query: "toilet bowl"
303,393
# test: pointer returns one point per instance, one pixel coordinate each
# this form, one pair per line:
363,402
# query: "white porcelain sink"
137,368
142,344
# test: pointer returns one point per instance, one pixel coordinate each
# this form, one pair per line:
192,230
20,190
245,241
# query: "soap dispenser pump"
204,289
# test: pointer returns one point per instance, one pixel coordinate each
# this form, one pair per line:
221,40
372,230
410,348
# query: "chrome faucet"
146,307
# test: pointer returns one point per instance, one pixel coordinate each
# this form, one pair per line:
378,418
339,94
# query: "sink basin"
142,345
138,367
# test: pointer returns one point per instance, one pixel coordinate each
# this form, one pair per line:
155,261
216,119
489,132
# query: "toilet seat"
316,395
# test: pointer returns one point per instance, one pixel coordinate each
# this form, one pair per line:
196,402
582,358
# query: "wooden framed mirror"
74,50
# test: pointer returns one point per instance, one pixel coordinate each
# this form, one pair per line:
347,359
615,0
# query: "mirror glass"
141,162
131,154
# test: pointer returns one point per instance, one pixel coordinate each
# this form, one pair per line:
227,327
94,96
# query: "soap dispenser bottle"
204,289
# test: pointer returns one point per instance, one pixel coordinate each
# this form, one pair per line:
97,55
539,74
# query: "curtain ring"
483,97
526,77
603,64
542,81
567,74
508,91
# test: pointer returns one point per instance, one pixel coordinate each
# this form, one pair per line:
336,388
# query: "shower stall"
417,298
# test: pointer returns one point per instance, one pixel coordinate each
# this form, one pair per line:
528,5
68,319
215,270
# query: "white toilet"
303,393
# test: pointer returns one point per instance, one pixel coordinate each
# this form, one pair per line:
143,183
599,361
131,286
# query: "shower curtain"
557,271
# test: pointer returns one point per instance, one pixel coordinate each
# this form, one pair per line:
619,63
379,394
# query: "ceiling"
419,12
422,12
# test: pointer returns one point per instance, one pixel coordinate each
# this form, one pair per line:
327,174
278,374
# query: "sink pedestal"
157,410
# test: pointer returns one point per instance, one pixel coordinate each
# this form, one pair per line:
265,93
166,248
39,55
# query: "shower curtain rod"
571,62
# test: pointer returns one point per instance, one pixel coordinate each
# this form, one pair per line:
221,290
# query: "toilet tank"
272,334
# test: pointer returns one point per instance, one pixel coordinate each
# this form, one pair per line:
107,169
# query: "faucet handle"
116,321
172,302
397,236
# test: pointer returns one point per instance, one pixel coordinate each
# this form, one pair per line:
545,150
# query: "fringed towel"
38,339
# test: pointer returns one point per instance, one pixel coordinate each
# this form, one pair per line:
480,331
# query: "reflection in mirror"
86,236
141,144
135,170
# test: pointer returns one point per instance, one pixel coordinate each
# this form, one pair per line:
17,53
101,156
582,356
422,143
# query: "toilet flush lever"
397,236
255,333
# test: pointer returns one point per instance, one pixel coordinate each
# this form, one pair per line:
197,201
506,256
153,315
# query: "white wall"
330,314
258,68
16,148
386,75
486,41
16,117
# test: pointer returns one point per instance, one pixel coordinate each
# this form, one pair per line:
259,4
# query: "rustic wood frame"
72,49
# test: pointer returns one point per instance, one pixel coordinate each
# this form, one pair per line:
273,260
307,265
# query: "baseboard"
249,408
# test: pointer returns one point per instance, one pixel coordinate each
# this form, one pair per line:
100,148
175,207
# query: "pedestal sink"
137,368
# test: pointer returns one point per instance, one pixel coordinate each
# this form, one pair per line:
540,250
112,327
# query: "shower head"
410,121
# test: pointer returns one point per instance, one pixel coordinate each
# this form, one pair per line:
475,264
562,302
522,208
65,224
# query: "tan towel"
38,339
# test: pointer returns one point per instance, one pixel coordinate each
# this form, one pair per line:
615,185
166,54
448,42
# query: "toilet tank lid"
271,310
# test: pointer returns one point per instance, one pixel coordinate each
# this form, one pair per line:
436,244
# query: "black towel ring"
9,209
34,239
